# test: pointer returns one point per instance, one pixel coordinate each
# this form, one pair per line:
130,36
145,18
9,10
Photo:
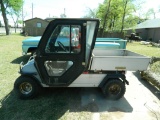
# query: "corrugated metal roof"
154,23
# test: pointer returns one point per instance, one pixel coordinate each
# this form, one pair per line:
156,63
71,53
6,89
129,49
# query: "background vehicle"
75,63
30,45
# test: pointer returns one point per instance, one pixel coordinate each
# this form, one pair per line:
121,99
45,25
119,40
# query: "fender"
31,75
121,77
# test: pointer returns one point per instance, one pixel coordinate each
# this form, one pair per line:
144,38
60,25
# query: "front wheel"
114,89
26,87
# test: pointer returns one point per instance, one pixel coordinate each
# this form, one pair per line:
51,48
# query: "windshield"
91,25
64,39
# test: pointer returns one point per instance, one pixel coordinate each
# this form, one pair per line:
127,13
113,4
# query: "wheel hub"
25,88
114,89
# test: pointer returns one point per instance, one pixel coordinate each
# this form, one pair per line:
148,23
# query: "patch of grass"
10,49
51,104
146,50
155,68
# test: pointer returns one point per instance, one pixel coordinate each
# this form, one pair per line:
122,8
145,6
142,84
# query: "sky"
50,8
155,4
73,8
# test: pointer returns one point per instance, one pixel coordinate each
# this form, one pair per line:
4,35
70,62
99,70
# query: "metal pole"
32,10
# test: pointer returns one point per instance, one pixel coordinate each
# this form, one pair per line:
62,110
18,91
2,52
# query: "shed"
147,30
35,26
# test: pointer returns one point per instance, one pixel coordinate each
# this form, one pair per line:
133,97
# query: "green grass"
51,104
146,50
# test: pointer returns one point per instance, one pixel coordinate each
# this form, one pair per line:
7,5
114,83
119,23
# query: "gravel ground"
140,102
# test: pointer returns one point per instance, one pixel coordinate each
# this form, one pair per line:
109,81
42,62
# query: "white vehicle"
76,65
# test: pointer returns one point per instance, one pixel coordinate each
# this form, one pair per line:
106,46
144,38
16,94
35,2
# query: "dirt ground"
140,102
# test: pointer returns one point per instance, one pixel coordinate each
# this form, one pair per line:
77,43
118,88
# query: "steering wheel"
62,46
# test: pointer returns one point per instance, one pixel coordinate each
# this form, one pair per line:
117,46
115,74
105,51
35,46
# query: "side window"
65,39
57,68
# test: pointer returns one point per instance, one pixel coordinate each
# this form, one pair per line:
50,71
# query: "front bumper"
20,67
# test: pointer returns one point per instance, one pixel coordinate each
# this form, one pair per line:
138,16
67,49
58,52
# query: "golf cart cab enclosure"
65,58
65,49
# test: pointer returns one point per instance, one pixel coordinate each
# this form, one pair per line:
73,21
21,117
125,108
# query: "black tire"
26,87
114,89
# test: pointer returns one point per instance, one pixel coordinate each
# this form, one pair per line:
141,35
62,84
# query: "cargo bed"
118,60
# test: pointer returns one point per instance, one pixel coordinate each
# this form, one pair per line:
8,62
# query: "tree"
91,13
3,10
24,14
0,24
114,15
104,10
139,10
15,16
15,5
150,12
63,15
124,7
131,20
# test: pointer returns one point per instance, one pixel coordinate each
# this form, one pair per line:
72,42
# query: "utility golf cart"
66,58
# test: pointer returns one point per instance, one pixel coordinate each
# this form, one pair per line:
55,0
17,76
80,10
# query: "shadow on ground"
20,59
92,99
148,85
53,103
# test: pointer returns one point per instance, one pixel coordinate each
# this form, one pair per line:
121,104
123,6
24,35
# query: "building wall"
147,33
142,33
154,34
157,35
32,29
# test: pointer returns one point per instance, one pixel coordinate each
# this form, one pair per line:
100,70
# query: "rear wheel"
26,87
114,89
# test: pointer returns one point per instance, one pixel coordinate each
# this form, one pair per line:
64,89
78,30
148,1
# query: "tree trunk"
124,14
4,17
105,17
114,18
15,27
